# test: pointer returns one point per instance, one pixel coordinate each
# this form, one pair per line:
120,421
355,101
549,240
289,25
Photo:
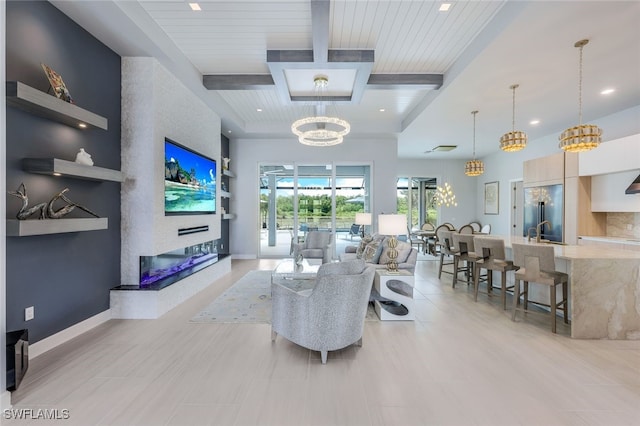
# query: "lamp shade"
363,218
392,224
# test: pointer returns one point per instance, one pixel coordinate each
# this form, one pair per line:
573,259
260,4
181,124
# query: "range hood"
634,188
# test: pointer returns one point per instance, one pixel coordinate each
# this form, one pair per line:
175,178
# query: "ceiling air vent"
442,148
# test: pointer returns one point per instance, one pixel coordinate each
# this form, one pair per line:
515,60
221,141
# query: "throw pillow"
372,251
363,244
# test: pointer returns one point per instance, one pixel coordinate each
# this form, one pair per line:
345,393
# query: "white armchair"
331,315
316,245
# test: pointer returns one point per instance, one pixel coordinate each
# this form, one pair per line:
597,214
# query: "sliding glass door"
296,199
415,198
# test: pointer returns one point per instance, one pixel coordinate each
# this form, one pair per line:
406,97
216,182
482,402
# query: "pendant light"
514,140
474,167
583,137
444,196
320,129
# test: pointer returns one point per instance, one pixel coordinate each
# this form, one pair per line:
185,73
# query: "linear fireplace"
160,271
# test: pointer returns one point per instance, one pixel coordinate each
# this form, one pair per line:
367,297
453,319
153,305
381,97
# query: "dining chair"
476,226
466,229
430,238
415,240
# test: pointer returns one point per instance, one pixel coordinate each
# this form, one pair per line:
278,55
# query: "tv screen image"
189,181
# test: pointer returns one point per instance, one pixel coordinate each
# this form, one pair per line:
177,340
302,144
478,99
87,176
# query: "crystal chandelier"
582,137
514,140
474,167
320,130
444,196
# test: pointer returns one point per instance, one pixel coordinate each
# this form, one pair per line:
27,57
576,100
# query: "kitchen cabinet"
562,168
544,171
579,219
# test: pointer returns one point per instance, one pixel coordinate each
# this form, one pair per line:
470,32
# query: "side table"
397,289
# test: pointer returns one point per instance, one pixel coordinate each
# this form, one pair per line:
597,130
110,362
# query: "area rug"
249,301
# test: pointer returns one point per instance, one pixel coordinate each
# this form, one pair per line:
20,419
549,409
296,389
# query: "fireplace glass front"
165,269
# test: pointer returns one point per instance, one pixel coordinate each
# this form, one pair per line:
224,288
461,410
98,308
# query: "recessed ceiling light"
534,122
194,6
82,125
607,91
382,110
444,7
259,109
228,131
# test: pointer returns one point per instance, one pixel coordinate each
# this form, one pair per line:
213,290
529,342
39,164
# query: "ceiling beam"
238,81
320,29
400,81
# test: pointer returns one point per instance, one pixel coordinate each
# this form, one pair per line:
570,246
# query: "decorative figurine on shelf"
83,157
47,210
24,211
224,186
225,163
64,210
57,85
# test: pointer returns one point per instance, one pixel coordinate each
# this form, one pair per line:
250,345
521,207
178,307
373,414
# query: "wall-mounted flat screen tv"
189,181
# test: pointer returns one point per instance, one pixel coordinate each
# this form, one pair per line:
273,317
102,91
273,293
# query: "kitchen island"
604,289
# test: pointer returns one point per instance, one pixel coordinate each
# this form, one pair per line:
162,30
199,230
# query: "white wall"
5,396
156,105
463,186
246,154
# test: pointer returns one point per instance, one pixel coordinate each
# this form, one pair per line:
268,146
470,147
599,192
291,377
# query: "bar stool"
445,242
537,265
463,250
491,256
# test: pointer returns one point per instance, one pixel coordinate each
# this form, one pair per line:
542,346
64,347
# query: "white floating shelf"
229,173
25,228
32,100
225,194
56,166
228,216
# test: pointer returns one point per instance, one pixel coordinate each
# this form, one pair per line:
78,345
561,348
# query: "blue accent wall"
66,277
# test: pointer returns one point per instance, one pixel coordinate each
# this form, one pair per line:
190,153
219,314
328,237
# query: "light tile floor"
459,363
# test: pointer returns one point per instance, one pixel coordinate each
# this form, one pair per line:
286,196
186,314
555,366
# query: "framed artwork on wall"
491,197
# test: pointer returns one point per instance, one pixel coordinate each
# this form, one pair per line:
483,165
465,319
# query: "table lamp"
363,219
392,225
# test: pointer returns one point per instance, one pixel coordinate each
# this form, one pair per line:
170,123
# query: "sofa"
374,250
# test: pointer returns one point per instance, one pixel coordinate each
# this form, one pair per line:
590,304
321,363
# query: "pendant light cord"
474,133
580,89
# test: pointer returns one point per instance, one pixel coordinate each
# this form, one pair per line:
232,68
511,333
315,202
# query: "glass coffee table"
288,270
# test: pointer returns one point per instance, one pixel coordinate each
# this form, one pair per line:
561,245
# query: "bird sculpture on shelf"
47,210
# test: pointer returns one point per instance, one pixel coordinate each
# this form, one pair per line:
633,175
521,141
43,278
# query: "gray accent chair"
316,245
331,315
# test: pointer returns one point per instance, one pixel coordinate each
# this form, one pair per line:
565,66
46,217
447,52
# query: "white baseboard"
67,334
244,256
5,400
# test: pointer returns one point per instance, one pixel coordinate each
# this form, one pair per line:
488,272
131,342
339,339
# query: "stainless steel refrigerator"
544,203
